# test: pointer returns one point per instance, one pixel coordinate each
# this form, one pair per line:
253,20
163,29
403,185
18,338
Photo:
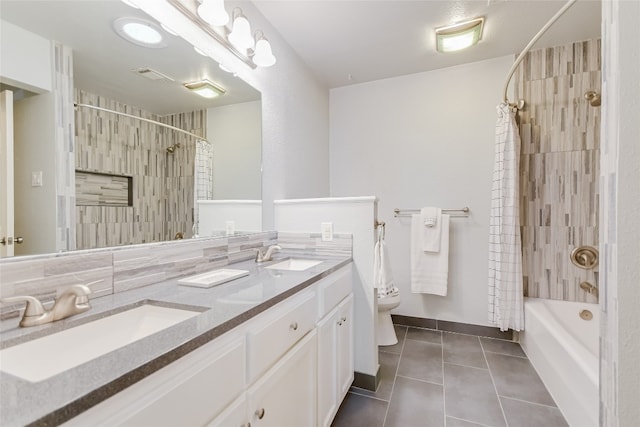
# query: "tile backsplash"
123,268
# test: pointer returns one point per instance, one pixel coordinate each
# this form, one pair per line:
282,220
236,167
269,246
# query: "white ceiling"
376,39
103,61
342,41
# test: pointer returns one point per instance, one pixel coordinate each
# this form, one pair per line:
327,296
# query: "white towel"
429,270
432,228
382,277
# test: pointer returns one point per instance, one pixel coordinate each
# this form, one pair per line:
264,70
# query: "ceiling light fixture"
262,54
140,32
459,36
240,35
205,88
213,12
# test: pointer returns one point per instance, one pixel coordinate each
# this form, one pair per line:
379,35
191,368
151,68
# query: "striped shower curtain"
203,178
506,304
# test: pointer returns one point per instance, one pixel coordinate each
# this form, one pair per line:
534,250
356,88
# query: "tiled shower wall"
162,202
559,167
64,140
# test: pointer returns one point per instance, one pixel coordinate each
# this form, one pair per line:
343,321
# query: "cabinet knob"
260,413
344,319
339,322
246,425
294,326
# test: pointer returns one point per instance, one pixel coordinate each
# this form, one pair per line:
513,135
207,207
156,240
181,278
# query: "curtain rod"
535,38
75,104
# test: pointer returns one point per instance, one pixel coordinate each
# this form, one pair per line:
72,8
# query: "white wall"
235,132
295,124
425,140
214,215
34,149
620,209
26,59
354,215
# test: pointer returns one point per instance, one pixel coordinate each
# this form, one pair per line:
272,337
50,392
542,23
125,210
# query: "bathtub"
563,349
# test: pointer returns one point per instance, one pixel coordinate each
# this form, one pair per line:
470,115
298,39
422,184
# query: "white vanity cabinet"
335,343
264,372
188,392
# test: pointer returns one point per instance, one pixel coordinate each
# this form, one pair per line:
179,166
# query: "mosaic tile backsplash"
162,193
559,167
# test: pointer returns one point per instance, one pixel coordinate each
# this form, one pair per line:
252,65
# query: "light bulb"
240,35
213,12
263,56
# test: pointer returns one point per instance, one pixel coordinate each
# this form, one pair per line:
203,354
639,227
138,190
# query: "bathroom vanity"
273,348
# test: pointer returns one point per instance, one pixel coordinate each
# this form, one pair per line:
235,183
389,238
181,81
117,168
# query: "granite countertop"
221,308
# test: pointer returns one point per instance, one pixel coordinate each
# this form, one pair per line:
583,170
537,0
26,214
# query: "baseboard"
447,326
366,381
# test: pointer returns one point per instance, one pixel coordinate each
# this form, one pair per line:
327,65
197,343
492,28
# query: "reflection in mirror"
135,182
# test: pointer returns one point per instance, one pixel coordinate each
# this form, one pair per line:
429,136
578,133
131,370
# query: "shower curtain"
506,299
203,182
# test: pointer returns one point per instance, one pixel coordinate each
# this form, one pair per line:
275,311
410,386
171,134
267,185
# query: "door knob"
10,240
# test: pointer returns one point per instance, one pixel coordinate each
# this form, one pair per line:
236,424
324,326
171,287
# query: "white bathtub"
563,349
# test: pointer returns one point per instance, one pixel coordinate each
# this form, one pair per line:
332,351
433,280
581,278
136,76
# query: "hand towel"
382,277
429,270
432,228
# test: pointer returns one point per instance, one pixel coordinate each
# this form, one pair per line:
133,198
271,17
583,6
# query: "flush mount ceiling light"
213,12
140,32
205,88
459,36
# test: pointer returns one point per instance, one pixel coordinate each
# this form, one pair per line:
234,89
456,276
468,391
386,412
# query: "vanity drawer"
333,289
190,391
278,331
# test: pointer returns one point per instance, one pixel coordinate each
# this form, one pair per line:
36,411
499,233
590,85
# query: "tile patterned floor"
442,379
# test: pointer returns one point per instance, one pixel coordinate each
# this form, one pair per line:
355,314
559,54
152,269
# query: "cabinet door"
327,368
345,346
234,416
285,396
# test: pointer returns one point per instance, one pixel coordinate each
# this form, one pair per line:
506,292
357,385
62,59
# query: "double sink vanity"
260,344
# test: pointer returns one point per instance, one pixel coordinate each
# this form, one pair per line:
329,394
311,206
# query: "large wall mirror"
136,182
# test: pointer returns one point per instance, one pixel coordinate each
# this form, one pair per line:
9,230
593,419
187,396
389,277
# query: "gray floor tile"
463,350
415,403
502,347
360,411
515,377
401,333
427,335
388,367
470,395
455,422
524,414
422,361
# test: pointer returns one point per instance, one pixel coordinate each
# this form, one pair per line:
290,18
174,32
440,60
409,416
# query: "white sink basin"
295,264
50,355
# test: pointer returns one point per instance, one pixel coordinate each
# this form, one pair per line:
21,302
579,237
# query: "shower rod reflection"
164,125
462,212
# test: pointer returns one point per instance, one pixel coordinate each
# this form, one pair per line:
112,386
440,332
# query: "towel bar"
463,212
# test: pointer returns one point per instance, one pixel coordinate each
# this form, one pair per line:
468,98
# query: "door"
6,174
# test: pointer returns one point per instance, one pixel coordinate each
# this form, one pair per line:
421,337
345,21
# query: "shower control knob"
584,257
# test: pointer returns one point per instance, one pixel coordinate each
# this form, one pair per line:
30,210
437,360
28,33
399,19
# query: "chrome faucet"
72,300
263,257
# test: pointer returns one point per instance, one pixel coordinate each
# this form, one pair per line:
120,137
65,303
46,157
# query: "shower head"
172,148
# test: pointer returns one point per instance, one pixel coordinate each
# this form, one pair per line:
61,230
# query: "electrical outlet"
326,229
230,227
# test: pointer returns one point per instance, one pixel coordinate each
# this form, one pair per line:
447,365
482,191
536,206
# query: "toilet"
386,333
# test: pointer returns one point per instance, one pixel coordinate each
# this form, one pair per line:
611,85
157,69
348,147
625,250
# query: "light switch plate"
36,179
230,227
326,229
